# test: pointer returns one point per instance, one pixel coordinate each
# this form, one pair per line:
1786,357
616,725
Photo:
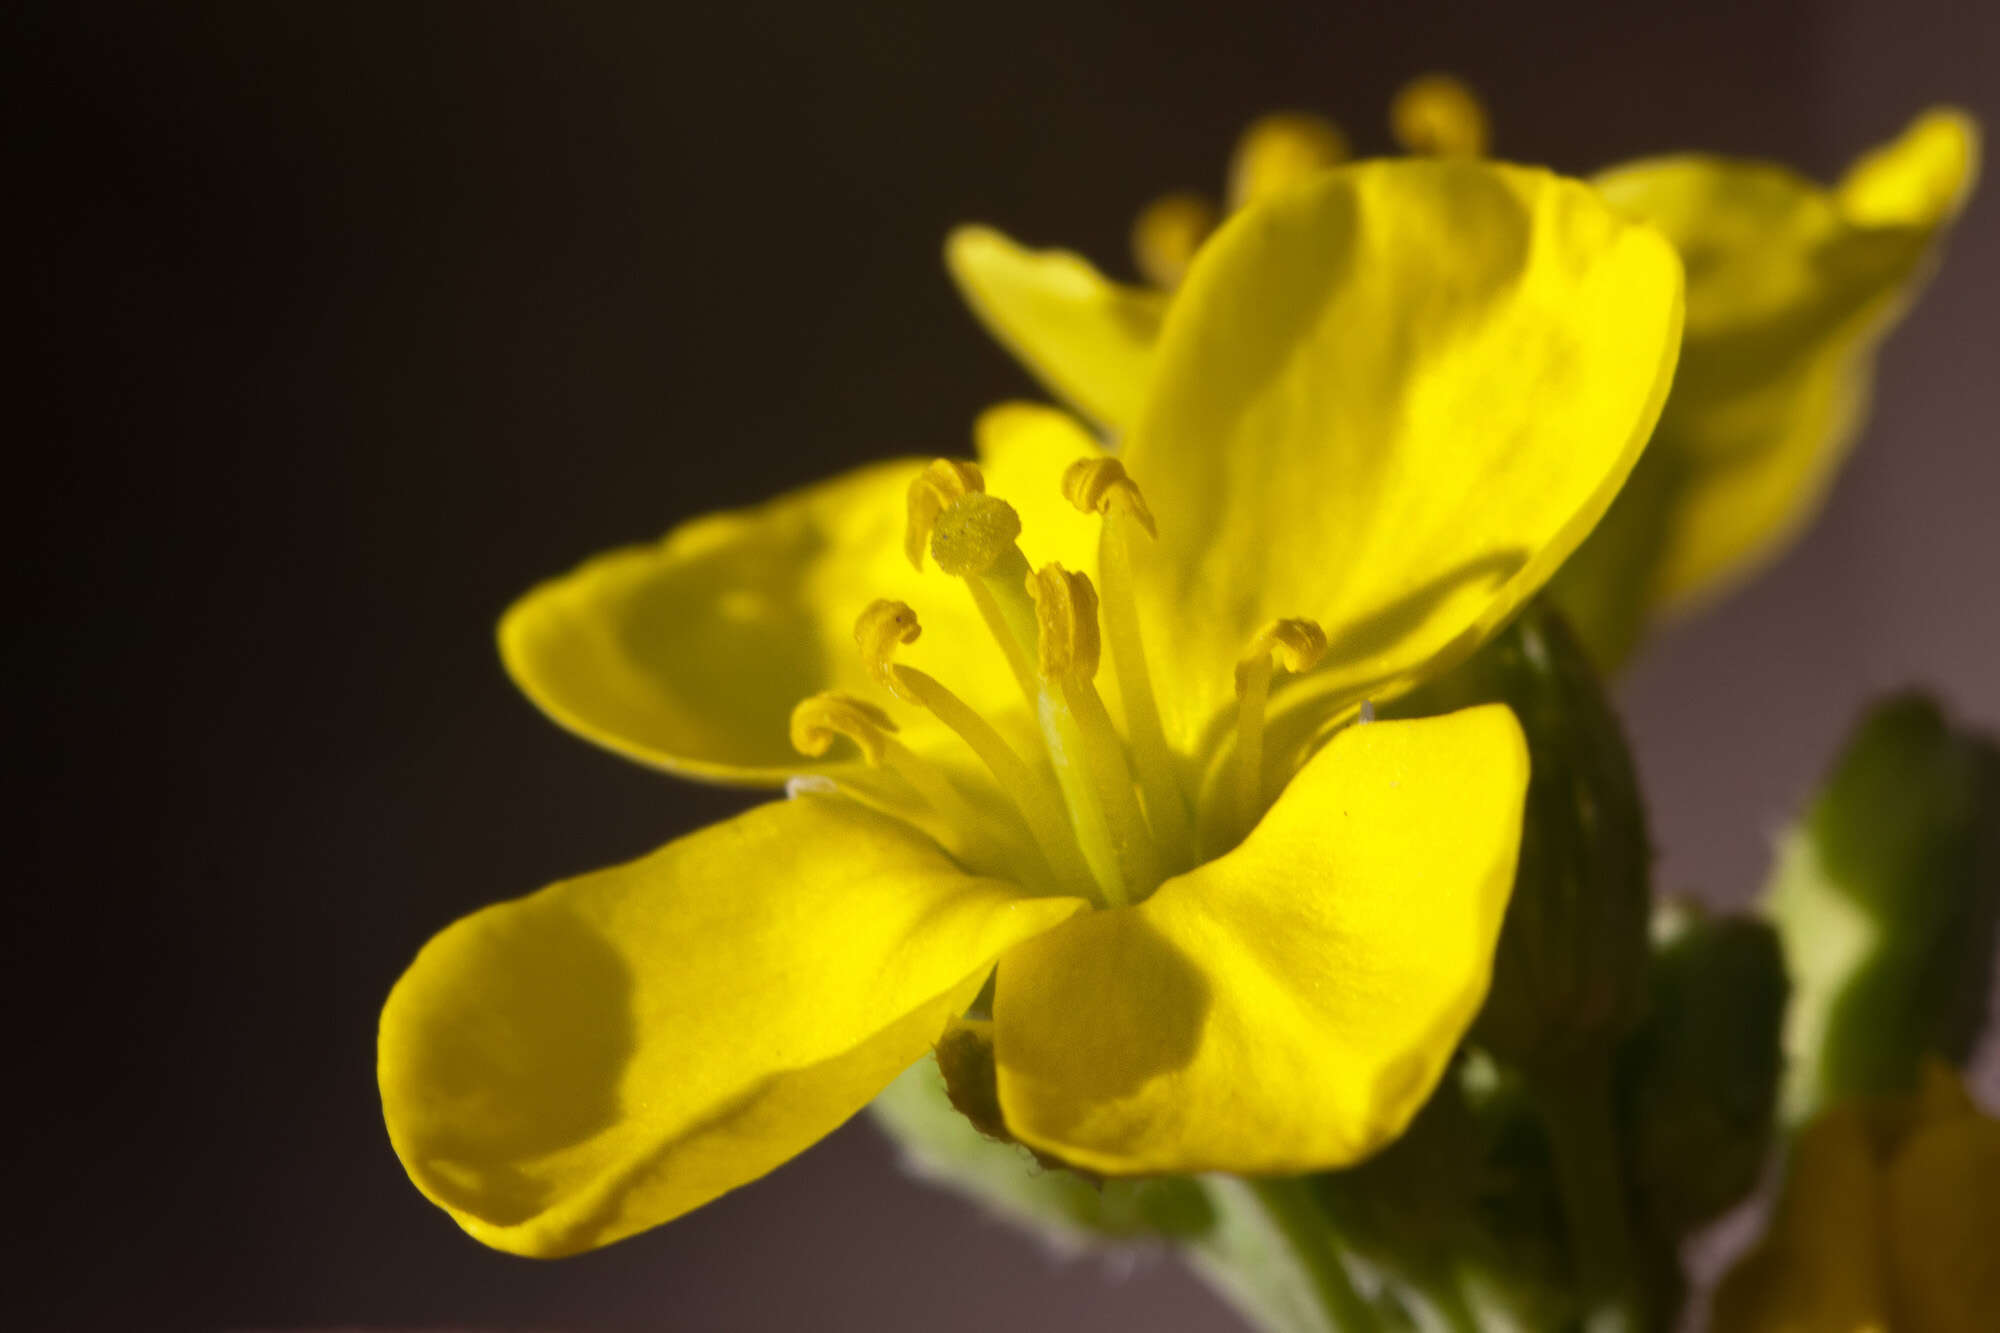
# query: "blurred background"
349,322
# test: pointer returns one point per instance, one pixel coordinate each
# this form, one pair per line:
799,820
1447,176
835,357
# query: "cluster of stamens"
1107,815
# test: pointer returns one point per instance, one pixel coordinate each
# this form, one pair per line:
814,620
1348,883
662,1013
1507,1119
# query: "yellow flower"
1887,1224
1216,926
1791,286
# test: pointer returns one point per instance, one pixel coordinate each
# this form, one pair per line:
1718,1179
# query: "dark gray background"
350,322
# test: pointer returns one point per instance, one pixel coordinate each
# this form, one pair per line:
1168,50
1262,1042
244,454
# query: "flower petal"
1791,286
1392,400
1942,1223
1819,1267
563,1070
1090,340
689,654
1289,1006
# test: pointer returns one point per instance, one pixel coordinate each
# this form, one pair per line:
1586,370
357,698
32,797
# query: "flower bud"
1885,895
1698,1081
1569,976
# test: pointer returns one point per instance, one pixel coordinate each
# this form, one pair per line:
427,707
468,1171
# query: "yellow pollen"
931,493
1065,621
818,721
972,533
1295,645
1167,233
1280,150
1096,485
879,631
1438,115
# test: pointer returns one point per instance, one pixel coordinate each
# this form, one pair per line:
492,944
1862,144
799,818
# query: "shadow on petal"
491,1082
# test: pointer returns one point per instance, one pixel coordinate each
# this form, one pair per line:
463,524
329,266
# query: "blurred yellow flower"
1791,286
1888,1222
1209,924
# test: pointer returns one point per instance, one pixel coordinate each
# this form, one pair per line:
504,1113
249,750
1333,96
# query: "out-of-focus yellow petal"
1288,1006
1090,340
563,1070
1791,287
1391,400
1943,1225
1819,1267
690,653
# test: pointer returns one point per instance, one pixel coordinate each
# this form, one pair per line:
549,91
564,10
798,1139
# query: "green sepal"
1885,894
1569,977
1698,1081
1067,1208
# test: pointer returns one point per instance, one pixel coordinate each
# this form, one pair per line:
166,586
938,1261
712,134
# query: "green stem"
1576,1107
1276,1254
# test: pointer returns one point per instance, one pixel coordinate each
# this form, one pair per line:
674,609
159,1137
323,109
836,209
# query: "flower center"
1105,812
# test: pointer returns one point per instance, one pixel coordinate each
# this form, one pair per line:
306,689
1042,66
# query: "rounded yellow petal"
1090,340
563,1070
1392,400
1289,1006
690,654
1944,1225
1791,287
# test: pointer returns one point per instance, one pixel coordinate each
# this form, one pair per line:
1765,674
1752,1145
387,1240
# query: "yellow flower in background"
1209,923
1888,1223
1791,286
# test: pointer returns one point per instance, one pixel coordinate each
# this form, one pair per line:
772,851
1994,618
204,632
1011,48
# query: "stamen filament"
1296,645
1039,807
1100,485
1089,757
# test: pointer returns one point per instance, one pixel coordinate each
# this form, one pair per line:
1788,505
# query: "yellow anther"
1295,645
1437,115
879,631
1098,485
931,493
1167,233
1065,621
819,720
1281,149
973,532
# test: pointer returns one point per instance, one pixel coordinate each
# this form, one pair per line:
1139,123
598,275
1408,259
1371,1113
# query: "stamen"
1089,758
1295,645
931,493
1166,235
881,629
1438,115
1279,150
821,719
1100,485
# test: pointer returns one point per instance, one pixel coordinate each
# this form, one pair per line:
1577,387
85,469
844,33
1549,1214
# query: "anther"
1098,485
972,533
823,718
1166,235
1279,150
931,493
1066,640
1295,645
1438,115
878,632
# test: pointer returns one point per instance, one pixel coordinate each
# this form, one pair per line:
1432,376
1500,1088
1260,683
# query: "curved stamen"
1100,485
885,626
1295,645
